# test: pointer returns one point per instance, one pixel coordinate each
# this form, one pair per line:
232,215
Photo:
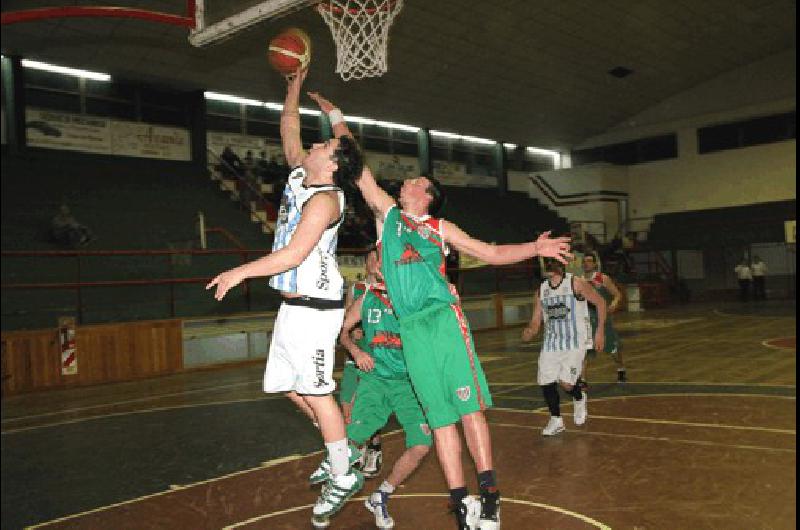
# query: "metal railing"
242,183
488,278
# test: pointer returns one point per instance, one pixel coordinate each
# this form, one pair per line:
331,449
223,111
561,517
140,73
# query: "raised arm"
290,121
378,200
318,213
544,246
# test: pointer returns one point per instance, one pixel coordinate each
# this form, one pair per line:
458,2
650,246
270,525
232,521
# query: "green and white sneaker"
323,472
335,493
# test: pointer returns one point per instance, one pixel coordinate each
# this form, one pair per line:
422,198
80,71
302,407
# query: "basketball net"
360,29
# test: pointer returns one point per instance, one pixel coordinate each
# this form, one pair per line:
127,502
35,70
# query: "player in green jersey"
383,389
437,341
604,285
372,455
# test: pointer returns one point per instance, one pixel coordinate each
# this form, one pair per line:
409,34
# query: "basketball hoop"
360,29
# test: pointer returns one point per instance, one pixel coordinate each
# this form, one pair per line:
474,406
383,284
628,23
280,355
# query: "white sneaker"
554,426
473,505
580,410
377,504
373,460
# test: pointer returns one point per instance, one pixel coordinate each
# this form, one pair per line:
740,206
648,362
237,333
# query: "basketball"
289,50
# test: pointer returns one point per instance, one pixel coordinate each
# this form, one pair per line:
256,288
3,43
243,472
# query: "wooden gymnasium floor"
704,436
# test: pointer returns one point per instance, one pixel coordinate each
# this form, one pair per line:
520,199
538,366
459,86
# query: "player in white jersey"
561,303
304,270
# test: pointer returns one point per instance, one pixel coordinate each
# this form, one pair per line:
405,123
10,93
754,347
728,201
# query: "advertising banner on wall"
392,167
149,141
66,343
89,134
71,132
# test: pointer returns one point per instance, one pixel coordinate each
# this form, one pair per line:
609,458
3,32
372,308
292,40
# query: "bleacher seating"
717,227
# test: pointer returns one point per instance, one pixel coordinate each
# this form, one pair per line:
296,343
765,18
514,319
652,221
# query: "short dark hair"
552,262
436,191
350,161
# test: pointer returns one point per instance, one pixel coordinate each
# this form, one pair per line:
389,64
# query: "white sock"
338,455
386,488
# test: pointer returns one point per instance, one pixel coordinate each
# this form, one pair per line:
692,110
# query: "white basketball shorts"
557,366
301,354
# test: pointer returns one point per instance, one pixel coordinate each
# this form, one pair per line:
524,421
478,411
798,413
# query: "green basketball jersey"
412,250
382,334
612,339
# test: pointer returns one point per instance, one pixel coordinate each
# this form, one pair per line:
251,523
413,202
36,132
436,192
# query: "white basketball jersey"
318,276
566,318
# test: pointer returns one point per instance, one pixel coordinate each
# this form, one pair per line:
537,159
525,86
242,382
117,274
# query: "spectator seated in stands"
249,164
67,231
231,163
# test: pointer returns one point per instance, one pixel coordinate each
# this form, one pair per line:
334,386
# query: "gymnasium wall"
692,181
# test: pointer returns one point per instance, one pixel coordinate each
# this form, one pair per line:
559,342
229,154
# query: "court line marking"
665,383
142,411
129,401
564,511
176,487
673,422
724,314
655,438
765,342
611,398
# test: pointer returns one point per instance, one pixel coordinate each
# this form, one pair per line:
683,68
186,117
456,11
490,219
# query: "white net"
360,29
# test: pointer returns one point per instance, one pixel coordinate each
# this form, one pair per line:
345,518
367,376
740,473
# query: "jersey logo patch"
409,255
557,311
463,393
425,428
386,339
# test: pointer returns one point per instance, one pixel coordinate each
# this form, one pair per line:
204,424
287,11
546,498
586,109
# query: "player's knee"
419,451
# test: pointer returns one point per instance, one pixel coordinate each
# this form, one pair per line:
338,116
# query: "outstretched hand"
557,247
295,80
225,282
324,105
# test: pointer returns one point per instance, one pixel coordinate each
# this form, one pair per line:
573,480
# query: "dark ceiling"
524,71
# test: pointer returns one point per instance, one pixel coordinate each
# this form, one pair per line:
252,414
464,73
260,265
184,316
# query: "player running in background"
604,285
561,302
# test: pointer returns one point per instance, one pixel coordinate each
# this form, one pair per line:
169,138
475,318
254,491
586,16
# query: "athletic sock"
339,457
458,494
550,393
576,393
487,479
386,488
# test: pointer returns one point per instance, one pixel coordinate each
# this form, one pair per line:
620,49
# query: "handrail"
526,269
225,233
267,206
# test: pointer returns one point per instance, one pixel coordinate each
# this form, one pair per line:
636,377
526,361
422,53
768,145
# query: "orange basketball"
290,49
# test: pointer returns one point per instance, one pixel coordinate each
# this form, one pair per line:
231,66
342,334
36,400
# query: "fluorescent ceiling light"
454,136
216,96
540,151
37,65
379,123
510,146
